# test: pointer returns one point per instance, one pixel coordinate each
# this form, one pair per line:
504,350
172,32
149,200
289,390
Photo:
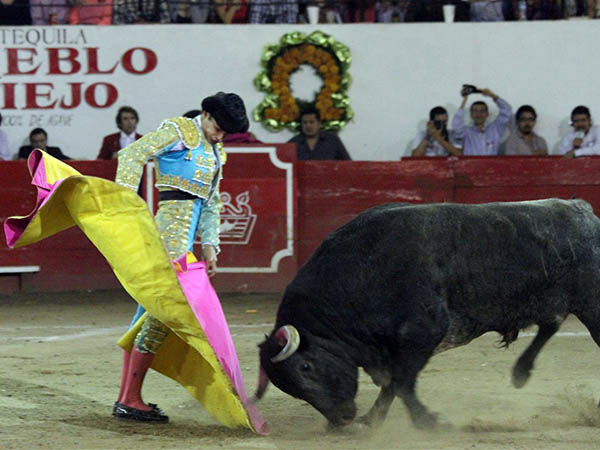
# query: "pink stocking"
124,373
139,363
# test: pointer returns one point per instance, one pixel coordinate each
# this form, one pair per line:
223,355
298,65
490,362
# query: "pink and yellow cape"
199,354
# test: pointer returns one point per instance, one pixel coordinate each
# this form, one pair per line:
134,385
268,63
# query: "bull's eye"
306,367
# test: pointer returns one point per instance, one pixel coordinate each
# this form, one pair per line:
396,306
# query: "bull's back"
505,262
495,262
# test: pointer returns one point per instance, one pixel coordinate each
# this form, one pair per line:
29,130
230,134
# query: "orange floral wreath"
330,59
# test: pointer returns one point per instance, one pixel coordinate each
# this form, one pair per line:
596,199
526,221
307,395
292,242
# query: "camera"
438,124
469,89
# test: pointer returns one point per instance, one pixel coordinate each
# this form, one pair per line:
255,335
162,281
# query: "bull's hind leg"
522,368
591,319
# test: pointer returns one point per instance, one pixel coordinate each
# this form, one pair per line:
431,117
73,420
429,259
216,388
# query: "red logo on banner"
237,220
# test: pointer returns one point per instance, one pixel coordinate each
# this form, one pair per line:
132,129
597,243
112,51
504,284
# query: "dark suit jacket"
111,144
329,146
52,151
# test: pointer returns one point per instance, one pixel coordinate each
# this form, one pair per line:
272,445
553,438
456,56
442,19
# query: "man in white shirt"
127,120
584,140
437,140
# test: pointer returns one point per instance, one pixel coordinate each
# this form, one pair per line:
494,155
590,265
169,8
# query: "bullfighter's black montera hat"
228,110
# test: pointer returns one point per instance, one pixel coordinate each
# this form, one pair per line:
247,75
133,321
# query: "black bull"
400,282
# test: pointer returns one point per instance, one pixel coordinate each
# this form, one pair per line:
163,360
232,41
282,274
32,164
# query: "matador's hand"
209,255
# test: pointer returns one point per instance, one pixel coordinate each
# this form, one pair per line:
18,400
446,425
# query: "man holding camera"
584,140
437,140
479,139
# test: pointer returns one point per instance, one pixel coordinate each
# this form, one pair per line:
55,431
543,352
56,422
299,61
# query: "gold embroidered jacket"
184,160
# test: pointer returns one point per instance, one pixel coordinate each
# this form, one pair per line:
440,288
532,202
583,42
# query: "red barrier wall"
323,196
258,239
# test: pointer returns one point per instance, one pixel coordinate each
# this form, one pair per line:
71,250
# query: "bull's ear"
270,347
262,343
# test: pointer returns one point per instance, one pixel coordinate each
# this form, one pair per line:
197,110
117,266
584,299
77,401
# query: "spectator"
480,139
424,11
537,9
49,12
245,137
360,11
577,8
269,11
437,140
487,11
4,150
189,11
15,12
331,11
312,143
140,11
127,120
432,11
593,9
391,12
525,141
91,12
38,138
584,140
192,113
231,11
241,137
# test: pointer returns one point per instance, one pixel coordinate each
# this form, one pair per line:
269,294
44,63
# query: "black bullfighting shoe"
125,412
154,406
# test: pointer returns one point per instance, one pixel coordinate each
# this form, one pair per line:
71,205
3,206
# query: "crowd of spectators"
483,136
486,138
312,142
106,12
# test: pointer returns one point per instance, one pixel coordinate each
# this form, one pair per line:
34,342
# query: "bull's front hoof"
339,423
370,420
426,421
355,427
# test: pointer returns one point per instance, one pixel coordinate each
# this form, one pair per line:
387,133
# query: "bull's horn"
292,341
263,382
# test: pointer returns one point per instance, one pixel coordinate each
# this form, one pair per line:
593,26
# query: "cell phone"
579,135
438,124
469,89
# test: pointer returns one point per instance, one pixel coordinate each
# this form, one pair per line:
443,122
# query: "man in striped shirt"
479,138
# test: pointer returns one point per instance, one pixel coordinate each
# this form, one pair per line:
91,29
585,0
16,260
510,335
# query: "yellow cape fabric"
121,226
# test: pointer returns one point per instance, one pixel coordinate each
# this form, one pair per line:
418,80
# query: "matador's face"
211,128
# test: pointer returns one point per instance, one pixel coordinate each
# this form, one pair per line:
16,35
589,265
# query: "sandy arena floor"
59,375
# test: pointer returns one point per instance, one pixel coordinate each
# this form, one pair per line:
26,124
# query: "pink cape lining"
206,306
15,226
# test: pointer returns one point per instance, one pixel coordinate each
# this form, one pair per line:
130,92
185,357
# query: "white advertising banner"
71,80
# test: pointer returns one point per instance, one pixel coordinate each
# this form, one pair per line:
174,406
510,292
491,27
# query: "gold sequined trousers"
177,222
